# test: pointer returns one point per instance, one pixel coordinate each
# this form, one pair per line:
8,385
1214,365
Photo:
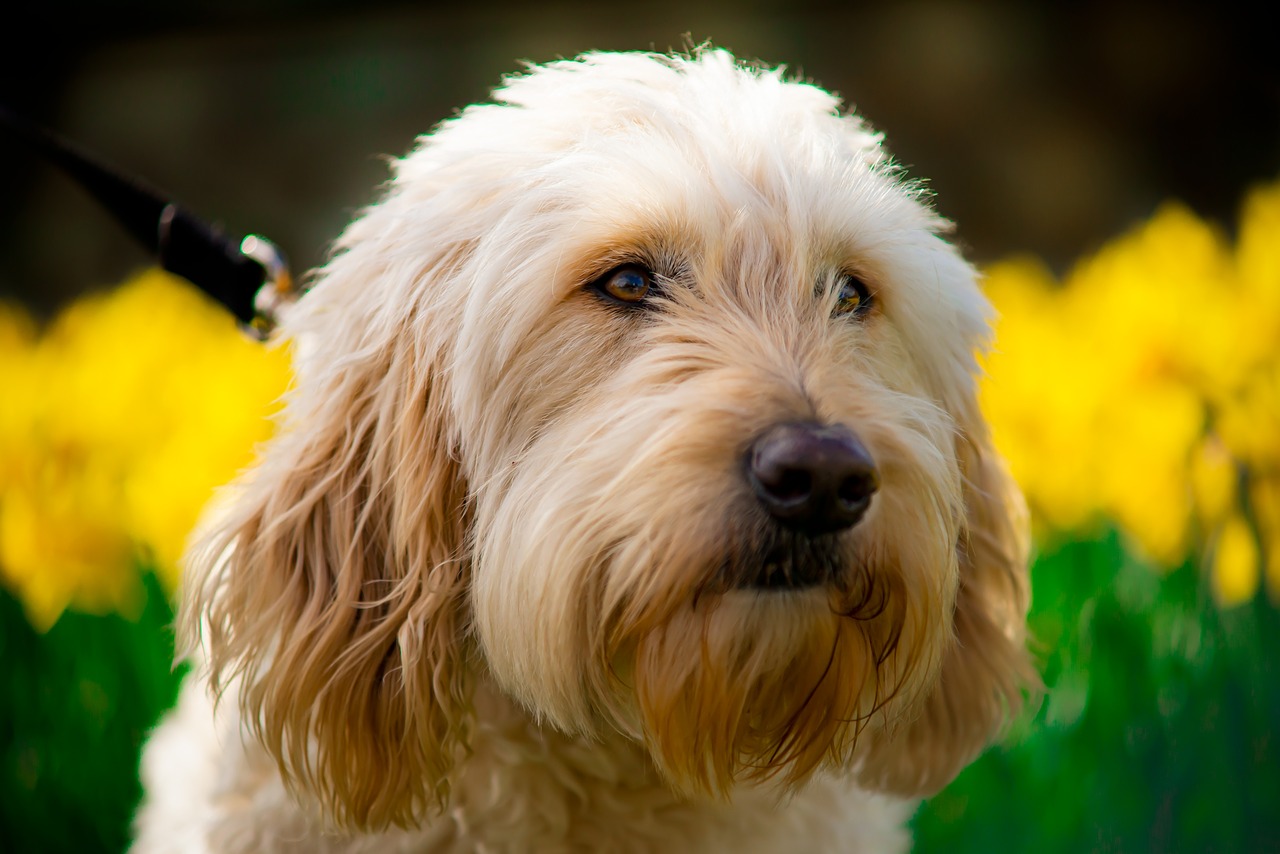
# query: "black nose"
812,478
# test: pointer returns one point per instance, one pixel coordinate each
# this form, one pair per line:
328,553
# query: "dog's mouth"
788,561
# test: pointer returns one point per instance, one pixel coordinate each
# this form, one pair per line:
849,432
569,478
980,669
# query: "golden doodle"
633,496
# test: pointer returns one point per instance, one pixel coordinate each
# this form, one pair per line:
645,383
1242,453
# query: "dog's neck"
507,740
525,780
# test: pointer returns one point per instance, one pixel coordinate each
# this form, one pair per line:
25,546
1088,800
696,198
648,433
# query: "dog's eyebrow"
658,258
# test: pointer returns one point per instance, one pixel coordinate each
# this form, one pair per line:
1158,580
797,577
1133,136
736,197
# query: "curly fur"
484,589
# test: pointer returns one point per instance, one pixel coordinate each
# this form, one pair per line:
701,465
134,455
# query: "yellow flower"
1037,394
1213,480
120,422
1235,564
1258,262
1143,449
1249,420
62,542
1137,388
17,333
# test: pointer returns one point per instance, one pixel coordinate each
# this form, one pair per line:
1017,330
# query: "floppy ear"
334,588
987,671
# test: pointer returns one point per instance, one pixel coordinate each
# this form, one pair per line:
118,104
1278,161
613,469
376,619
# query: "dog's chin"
735,649
788,561
781,673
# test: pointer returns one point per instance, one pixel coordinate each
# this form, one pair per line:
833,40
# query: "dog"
633,495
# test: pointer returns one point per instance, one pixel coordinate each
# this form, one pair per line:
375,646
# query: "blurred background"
1112,166
1043,127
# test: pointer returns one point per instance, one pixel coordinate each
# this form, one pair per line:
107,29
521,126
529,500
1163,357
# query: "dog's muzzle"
810,478
814,482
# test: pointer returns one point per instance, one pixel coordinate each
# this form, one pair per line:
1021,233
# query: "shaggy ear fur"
987,671
334,589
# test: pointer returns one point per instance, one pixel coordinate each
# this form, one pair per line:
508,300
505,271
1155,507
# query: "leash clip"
277,292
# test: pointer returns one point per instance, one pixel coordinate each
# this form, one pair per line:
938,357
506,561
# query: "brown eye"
853,297
628,284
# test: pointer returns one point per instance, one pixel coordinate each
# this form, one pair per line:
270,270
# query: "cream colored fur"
484,591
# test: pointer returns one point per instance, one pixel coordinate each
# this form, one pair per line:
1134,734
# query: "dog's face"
647,392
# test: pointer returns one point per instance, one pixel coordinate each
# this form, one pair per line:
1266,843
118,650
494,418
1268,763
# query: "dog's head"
647,392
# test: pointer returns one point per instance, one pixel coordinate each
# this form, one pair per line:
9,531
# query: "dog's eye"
628,284
853,297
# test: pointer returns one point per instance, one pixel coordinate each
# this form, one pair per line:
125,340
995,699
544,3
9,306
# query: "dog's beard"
735,682
750,686
776,558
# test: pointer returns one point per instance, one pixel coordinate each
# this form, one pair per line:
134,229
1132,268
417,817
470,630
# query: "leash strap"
250,278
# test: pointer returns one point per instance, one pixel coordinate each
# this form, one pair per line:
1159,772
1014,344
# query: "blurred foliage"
1138,403
1157,732
76,704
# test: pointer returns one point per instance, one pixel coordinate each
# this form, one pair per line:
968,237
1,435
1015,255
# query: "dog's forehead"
662,118
681,148
710,96
747,180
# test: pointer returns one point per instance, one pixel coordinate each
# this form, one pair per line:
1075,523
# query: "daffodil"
120,421
1143,388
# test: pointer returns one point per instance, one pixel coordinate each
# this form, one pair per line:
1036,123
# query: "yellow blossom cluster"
118,422
1143,390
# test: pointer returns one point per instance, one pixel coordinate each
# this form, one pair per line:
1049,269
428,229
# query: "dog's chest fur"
524,789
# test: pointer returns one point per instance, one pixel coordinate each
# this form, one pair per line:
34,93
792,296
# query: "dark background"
1043,127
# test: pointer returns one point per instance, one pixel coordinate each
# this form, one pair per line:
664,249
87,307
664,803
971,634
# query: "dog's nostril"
812,478
786,484
856,488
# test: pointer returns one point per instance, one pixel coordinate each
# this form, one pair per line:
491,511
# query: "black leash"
250,278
